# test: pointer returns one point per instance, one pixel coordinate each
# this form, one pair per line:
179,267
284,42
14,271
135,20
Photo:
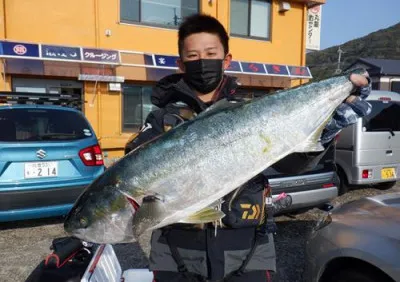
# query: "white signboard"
104,78
313,35
114,86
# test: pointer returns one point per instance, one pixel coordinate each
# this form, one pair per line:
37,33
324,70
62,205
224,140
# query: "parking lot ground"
23,245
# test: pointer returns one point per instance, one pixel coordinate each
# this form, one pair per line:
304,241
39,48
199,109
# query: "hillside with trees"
382,44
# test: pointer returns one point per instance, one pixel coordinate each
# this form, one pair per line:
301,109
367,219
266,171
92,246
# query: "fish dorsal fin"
221,105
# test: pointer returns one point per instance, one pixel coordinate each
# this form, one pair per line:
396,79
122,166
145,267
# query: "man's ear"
227,61
180,64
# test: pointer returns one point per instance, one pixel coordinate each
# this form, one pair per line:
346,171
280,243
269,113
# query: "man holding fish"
195,178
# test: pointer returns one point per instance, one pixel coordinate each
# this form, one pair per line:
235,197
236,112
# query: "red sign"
20,49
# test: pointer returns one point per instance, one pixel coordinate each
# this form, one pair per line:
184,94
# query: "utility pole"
338,69
176,18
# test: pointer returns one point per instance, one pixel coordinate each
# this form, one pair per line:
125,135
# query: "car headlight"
324,221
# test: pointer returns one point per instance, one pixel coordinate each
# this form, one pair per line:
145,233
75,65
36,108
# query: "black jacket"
176,103
201,251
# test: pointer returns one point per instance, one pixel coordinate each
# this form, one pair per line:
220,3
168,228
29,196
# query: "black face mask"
203,75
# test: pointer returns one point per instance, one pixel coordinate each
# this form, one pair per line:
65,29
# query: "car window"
18,125
395,86
326,164
385,116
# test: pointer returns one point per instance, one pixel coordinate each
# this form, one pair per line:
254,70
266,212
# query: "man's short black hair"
202,23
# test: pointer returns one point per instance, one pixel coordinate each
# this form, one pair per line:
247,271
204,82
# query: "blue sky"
344,20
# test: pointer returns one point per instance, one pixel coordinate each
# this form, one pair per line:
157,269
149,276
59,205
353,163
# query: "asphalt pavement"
23,245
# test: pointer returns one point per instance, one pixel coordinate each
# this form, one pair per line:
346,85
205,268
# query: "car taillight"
366,173
92,156
328,185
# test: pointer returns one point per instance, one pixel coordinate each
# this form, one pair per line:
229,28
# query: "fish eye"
84,222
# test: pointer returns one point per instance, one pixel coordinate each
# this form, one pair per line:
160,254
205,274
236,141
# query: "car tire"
385,185
354,275
344,186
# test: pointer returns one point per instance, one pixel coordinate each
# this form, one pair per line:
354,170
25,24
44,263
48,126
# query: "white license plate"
41,169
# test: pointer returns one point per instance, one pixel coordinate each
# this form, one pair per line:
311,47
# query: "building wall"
387,81
84,23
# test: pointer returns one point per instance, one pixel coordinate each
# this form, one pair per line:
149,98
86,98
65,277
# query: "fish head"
104,217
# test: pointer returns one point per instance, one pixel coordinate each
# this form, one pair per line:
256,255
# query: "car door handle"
389,152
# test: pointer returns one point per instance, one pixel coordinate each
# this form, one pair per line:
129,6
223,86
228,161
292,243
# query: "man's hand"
354,107
358,80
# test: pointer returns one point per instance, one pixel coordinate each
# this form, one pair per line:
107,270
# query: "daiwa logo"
251,211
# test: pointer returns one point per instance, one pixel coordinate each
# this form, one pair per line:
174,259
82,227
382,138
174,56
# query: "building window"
168,13
136,106
251,18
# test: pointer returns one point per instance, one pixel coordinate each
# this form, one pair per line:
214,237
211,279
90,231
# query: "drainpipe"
96,23
97,92
303,41
4,19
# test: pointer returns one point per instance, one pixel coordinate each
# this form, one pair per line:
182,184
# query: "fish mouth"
107,232
112,229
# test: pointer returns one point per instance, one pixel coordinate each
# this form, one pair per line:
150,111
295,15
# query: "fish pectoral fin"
203,216
313,143
309,146
152,207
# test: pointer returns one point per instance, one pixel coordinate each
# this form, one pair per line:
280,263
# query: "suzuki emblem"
41,154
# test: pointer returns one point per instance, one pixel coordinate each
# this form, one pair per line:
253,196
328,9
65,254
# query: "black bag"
245,207
67,262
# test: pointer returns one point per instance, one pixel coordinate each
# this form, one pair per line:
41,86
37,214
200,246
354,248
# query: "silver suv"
309,189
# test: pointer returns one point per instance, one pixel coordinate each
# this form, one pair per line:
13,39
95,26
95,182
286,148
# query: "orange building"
110,53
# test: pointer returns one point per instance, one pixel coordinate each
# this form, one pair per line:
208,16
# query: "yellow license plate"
387,173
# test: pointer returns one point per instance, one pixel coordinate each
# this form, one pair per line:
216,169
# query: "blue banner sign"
234,66
277,69
166,61
61,52
253,67
18,49
299,71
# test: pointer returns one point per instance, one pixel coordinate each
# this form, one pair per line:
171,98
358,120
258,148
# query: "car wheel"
350,275
344,186
385,185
